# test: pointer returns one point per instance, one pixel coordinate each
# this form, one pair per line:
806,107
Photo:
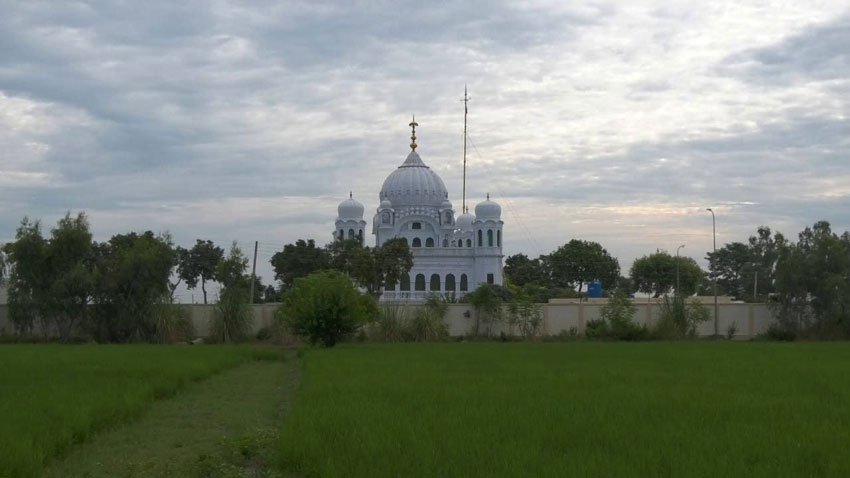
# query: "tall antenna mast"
465,112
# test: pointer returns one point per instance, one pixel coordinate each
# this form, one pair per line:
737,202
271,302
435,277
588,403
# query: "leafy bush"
526,316
596,329
233,318
731,330
172,323
324,307
619,312
680,319
388,325
487,300
779,332
428,323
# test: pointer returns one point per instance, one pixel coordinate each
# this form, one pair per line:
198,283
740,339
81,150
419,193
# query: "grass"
53,396
226,425
572,409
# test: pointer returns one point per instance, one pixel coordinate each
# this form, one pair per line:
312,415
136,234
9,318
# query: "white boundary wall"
559,316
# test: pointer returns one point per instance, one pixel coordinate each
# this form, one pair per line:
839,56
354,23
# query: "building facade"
452,254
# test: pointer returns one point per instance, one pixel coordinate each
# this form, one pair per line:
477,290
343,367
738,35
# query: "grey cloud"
819,53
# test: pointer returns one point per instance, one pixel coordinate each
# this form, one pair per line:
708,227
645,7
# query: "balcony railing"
418,296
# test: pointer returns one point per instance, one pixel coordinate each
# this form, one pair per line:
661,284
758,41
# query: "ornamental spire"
413,124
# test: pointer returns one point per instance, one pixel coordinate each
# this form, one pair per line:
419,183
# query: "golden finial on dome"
413,124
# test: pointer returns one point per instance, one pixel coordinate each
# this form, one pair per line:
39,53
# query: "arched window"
417,242
351,233
448,217
341,234
429,242
385,218
490,237
469,243
360,236
445,243
405,242
405,282
464,284
435,283
420,282
450,283
499,238
480,238
416,225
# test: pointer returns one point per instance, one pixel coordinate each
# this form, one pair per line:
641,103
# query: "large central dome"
414,184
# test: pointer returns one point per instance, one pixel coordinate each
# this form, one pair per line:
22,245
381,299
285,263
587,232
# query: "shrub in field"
730,331
324,307
388,325
172,323
428,322
619,312
487,300
679,318
233,318
596,329
526,316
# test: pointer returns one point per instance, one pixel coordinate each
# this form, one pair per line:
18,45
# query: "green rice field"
53,396
572,409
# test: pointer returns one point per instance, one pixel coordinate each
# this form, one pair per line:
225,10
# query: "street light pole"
677,269
714,243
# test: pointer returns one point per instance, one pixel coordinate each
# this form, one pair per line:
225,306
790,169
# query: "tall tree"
656,274
578,262
520,270
813,283
132,279
298,260
233,317
380,267
200,264
28,276
51,278
740,267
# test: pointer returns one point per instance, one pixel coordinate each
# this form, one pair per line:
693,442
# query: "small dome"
386,204
446,204
488,210
350,209
464,221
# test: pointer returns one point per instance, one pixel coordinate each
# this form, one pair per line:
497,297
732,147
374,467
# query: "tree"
51,279
525,314
737,265
27,260
487,301
521,270
619,313
656,274
324,307
579,262
380,267
342,254
132,273
233,315
298,260
813,283
200,264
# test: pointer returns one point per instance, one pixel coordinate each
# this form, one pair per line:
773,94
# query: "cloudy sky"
618,122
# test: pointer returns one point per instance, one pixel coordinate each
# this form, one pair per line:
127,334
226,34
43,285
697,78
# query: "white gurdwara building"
452,255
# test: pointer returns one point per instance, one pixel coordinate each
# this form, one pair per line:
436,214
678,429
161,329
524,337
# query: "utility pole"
254,272
714,242
677,269
465,112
